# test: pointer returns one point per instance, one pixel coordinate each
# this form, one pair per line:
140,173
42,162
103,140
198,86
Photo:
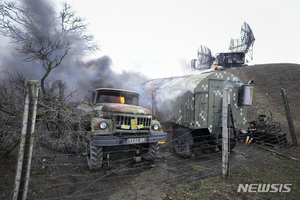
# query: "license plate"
133,124
136,140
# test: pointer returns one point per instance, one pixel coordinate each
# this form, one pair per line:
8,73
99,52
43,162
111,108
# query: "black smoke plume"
75,73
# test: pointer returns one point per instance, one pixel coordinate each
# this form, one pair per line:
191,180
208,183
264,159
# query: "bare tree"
45,37
41,35
12,91
58,123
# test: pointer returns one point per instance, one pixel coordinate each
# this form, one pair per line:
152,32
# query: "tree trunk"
43,80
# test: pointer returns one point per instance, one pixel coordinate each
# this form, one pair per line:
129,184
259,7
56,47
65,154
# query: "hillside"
268,81
61,175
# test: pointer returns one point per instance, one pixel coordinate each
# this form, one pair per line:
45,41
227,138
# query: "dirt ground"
66,176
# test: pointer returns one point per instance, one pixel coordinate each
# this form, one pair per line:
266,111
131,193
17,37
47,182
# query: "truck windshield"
117,97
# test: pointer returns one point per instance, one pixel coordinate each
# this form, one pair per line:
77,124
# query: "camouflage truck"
190,108
118,123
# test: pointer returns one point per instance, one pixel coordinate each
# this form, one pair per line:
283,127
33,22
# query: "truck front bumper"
110,140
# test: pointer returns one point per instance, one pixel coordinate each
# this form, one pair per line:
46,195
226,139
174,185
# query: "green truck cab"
118,123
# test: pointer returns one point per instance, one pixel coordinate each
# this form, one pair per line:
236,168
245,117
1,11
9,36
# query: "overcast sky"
160,37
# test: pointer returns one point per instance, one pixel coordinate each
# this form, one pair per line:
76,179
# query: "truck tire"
152,151
94,156
182,143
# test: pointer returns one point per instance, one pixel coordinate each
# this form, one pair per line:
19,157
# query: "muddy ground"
66,176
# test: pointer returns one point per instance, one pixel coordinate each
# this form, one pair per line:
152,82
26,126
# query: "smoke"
42,14
88,75
36,24
75,72
97,73
82,76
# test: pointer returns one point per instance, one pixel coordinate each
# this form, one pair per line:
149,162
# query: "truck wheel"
152,152
182,143
94,156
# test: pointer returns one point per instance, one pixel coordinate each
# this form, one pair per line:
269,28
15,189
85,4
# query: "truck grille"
126,120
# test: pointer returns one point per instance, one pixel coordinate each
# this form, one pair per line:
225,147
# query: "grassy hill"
268,81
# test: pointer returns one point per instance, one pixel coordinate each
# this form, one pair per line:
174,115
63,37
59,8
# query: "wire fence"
64,174
59,169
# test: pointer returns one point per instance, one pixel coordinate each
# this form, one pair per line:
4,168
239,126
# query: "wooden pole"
26,143
22,147
289,117
225,137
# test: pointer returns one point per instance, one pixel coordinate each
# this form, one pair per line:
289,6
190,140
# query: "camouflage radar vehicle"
190,108
118,124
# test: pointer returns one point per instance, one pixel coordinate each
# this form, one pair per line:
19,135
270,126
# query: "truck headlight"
103,125
156,127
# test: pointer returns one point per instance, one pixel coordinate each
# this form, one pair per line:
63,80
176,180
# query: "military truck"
190,108
118,123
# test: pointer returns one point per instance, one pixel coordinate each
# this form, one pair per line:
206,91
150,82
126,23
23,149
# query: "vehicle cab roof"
114,90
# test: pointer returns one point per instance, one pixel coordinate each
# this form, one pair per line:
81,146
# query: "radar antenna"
245,42
235,58
204,59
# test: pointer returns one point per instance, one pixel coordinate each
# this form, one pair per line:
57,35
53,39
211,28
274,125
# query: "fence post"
289,117
225,149
26,141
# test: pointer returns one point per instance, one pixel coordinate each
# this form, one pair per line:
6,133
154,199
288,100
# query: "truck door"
215,104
